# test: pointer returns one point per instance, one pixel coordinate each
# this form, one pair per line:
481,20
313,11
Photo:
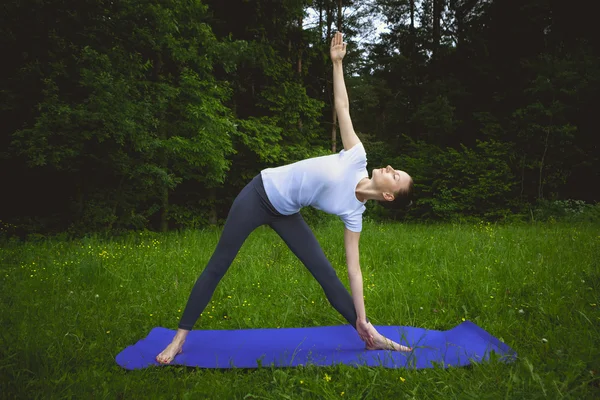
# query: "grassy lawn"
67,308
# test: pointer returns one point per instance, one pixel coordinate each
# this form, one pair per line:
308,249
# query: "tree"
133,100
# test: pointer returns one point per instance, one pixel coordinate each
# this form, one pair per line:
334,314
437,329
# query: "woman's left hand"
338,47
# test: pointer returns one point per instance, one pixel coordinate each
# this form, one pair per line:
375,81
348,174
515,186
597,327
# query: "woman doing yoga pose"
338,184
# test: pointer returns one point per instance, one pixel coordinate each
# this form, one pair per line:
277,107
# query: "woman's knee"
216,270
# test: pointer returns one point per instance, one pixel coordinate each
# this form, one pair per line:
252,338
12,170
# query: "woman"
337,184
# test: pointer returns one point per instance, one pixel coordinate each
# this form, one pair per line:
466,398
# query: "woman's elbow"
342,106
354,271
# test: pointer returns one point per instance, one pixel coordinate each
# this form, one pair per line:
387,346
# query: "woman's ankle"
180,335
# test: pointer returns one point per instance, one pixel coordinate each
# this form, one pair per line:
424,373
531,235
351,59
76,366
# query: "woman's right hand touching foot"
380,342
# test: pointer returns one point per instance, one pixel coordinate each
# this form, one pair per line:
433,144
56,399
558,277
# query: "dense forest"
145,114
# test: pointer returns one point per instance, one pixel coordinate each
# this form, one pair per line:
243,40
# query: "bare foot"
168,354
176,346
383,343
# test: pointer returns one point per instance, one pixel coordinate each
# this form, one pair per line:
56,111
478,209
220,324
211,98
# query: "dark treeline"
132,114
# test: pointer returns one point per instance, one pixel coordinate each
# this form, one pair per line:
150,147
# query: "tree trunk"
458,18
339,16
412,15
329,17
164,222
438,6
212,196
329,22
413,39
299,64
541,184
461,9
334,131
79,200
320,20
116,202
162,158
522,175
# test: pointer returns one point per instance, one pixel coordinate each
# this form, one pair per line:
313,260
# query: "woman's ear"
388,196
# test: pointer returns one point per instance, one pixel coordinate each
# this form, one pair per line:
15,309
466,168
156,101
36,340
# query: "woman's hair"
402,199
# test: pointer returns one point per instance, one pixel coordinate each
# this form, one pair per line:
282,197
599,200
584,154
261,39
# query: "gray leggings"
251,209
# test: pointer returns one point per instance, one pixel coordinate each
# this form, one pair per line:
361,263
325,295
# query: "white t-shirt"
327,183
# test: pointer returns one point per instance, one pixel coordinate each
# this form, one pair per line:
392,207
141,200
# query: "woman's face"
390,180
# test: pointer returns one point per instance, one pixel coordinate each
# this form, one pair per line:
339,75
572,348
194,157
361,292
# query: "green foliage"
262,136
566,210
153,115
520,87
545,134
296,115
436,116
143,108
466,182
189,216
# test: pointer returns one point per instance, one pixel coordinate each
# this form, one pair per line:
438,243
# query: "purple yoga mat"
323,346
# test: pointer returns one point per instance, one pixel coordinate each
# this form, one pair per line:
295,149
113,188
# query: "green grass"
67,308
